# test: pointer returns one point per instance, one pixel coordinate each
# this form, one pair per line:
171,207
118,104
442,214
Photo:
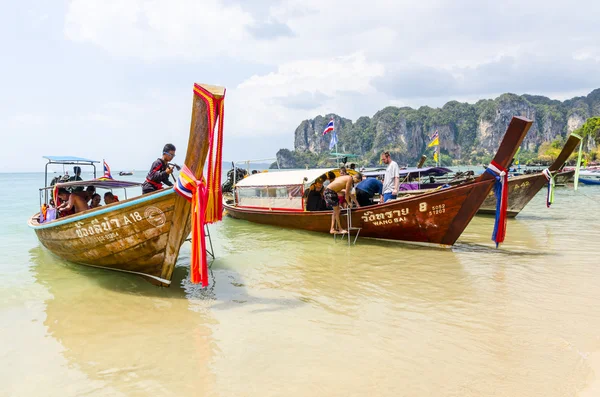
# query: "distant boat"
589,177
121,173
521,188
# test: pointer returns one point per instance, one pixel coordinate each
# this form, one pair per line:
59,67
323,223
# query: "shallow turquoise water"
291,313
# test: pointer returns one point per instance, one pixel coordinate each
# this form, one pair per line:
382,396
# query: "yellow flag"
435,142
435,158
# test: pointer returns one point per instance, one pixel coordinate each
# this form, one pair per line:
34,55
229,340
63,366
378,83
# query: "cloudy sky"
113,78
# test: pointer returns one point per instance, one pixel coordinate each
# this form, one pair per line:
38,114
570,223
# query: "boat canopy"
279,190
284,178
69,160
413,172
101,183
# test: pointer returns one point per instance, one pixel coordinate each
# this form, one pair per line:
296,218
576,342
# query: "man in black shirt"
160,171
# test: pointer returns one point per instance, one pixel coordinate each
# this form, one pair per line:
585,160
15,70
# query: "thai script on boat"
522,185
97,227
385,218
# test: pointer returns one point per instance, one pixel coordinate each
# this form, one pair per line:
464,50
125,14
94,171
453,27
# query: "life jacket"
157,185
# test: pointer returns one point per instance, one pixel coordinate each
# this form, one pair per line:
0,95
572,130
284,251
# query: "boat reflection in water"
129,337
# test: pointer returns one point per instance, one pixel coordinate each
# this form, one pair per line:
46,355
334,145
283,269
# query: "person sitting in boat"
72,203
87,193
366,190
110,198
160,171
76,177
314,197
342,182
95,201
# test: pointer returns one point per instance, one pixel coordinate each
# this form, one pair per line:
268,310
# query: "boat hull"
589,181
129,236
521,190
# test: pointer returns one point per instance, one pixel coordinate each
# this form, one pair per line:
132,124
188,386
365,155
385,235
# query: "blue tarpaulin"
69,159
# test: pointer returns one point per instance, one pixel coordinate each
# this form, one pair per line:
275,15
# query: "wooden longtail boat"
522,188
436,218
141,235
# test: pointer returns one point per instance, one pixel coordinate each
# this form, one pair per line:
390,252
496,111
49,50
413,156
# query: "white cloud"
282,62
158,29
256,105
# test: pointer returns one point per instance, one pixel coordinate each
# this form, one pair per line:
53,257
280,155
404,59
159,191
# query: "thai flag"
107,174
435,135
333,141
330,127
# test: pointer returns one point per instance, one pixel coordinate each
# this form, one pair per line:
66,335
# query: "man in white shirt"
391,179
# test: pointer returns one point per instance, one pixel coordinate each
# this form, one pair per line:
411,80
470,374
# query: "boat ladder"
210,251
349,229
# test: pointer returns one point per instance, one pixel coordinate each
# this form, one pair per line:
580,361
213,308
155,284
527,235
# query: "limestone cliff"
468,132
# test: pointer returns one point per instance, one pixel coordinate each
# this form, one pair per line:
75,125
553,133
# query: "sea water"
292,313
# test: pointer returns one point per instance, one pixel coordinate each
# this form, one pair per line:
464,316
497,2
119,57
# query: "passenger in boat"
331,198
87,193
160,171
314,197
72,203
76,177
342,195
366,190
391,179
110,198
95,201
330,178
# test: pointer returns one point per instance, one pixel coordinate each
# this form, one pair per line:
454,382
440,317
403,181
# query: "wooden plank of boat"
142,235
436,218
522,188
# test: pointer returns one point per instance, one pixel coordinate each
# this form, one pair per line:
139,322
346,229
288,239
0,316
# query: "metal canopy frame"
247,162
67,160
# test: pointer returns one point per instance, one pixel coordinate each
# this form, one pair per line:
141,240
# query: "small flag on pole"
330,127
107,174
435,139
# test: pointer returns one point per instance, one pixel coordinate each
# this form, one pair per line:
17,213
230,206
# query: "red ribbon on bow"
194,191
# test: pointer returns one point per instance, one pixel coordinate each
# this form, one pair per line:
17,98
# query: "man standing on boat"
332,200
391,179
160,171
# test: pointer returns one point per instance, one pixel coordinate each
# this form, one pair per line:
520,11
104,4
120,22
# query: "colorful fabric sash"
550,195
205,195
215,109
501,193
194,191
